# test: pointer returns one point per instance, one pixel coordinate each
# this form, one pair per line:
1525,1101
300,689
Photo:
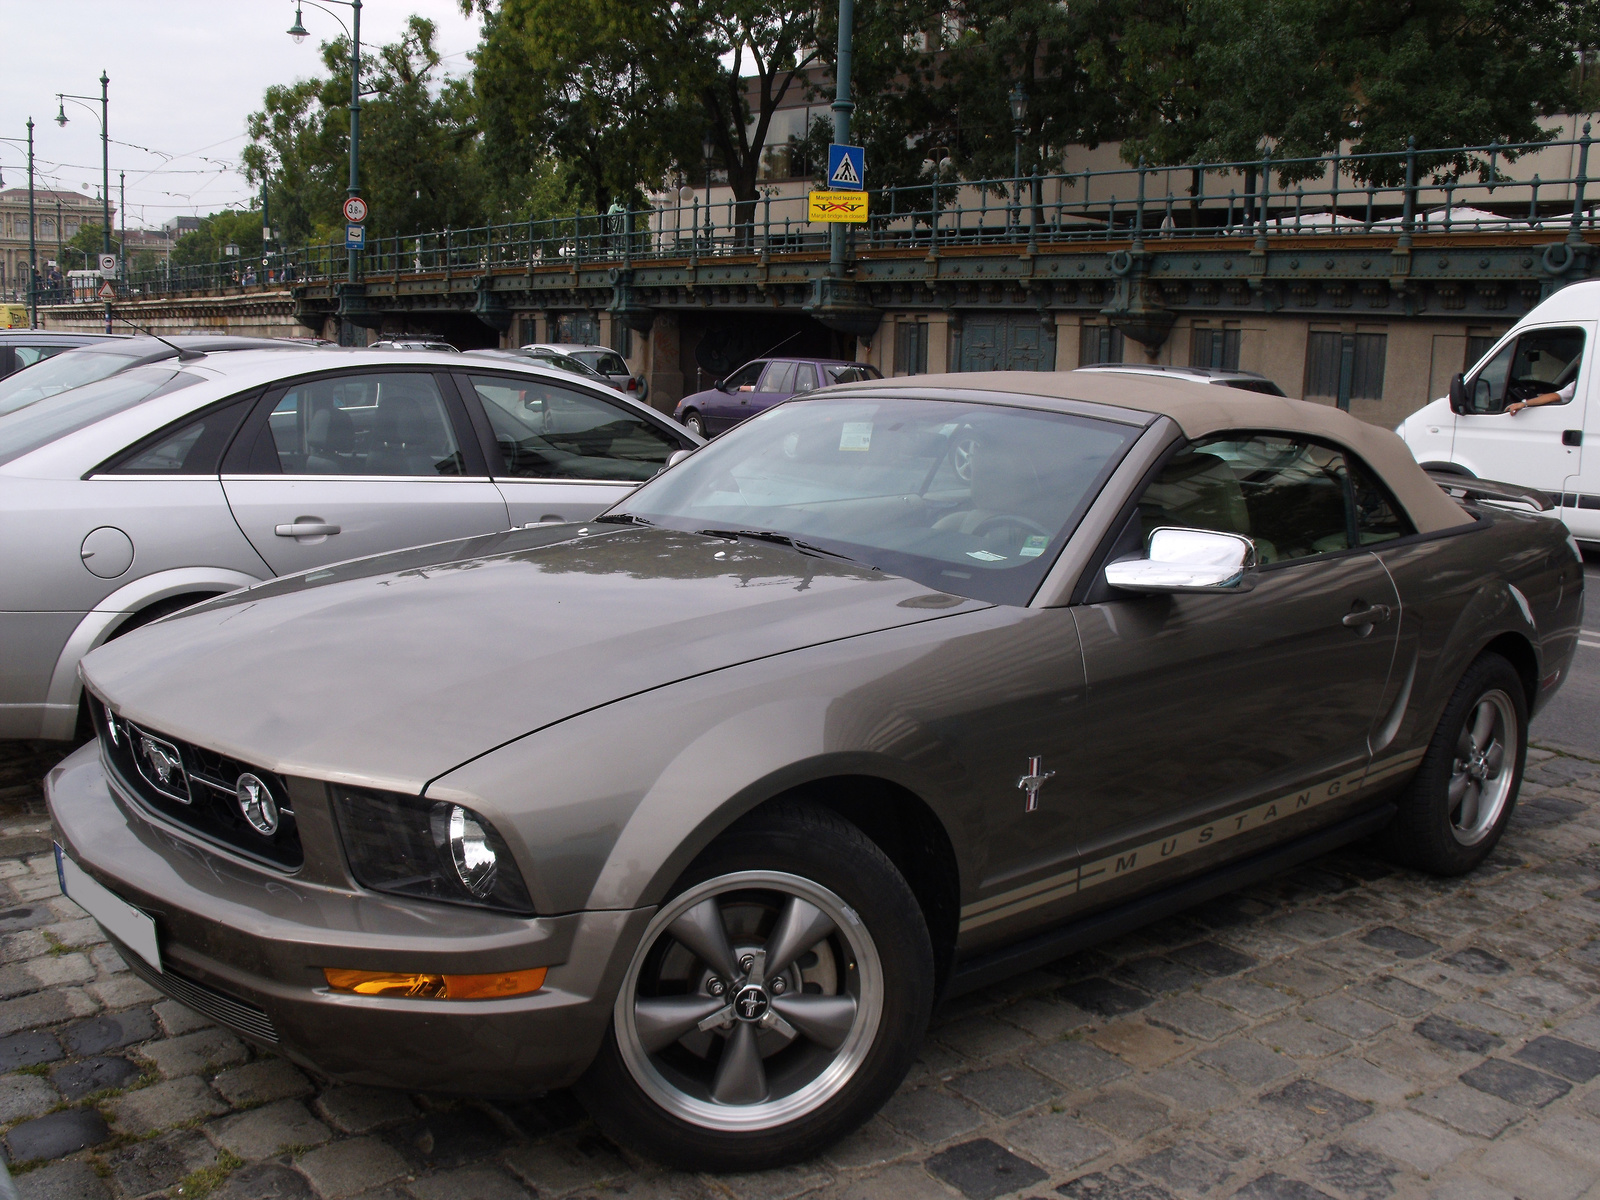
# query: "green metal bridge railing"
1403,194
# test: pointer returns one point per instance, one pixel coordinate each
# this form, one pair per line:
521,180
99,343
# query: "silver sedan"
134,496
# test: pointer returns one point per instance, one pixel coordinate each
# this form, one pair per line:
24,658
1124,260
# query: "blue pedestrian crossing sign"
847,168
355,237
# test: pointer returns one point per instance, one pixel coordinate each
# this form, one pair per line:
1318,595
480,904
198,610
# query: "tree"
82,251
216,232
1214,80
620,92
419,163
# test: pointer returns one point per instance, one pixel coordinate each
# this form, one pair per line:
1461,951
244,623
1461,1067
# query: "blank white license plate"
134,929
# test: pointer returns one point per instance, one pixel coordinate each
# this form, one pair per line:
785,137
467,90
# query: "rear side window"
603,361
192,447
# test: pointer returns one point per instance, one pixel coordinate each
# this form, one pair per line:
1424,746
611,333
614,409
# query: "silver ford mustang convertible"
700,806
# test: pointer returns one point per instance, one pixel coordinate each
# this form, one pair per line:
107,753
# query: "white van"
1469,432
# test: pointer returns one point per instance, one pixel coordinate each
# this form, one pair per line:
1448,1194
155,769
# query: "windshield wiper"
620,519
782,539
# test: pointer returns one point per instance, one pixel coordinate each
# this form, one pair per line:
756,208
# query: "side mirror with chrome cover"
1188,560
676,457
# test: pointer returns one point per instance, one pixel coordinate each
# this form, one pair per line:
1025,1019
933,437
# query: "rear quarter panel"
1459,592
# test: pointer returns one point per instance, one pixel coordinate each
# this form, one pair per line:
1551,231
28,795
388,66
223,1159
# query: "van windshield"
43,421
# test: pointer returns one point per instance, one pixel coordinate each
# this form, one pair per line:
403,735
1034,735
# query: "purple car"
758,385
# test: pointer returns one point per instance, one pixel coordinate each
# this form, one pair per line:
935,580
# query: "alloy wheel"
1481,775
753,999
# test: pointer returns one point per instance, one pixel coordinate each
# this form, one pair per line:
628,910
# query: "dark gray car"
886,694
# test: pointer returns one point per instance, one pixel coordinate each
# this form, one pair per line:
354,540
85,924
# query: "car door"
776,386
726,406
1203,711
360,462
1537,447
561,453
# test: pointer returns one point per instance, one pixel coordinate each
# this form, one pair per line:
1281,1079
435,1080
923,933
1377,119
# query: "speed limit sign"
355,210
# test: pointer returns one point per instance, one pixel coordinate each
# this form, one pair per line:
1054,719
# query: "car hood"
389,671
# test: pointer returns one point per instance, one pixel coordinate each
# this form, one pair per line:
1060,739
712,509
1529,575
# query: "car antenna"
785,342
183,355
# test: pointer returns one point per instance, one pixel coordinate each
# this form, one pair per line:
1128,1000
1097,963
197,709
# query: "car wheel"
774,1003
694,423
1457,805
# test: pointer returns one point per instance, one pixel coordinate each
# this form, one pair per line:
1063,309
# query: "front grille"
239,1015
196,788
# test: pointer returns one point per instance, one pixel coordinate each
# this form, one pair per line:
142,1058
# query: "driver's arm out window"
1538,362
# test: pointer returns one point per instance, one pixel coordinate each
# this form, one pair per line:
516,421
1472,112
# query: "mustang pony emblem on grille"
1033,781
162,765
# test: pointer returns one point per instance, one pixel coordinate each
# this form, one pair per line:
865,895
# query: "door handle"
304,528
1366,618
1572,437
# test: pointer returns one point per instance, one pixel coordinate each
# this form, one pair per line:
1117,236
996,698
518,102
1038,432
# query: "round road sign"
355,209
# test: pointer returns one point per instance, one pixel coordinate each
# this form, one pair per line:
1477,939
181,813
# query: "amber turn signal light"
428,986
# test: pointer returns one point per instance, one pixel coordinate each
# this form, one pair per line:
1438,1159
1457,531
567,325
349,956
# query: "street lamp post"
33,245
105,160
1019,114
299,33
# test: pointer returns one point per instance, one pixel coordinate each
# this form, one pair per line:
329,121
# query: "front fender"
99,624
605,810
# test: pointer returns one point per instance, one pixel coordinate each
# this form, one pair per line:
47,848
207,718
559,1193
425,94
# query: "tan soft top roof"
1200,409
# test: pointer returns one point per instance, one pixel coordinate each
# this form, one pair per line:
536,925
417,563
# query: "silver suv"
141,493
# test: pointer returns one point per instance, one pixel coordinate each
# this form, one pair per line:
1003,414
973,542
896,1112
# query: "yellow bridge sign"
837,206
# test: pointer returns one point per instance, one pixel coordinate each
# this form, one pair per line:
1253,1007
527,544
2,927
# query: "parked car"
137,495
701,803
564,362
102,359
414,344
1246,381
1480,429
758,385
598,358
21,348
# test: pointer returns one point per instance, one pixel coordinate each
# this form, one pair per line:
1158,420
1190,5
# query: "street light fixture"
298,32
105,159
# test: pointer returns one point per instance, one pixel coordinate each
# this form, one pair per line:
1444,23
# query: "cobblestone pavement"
1345,1031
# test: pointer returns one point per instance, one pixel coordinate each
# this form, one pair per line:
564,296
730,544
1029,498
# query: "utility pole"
33,251
122,224
842,108
61,254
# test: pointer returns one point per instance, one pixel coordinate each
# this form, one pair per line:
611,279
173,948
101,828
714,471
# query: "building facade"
59,214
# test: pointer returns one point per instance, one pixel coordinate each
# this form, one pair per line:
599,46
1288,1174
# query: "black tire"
694,423
825,851
1430,831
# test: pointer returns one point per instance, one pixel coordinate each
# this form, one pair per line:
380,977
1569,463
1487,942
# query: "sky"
185,76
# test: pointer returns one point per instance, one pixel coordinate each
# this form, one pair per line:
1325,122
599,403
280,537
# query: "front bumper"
232,933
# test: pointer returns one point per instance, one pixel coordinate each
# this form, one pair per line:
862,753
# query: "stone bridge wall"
252,314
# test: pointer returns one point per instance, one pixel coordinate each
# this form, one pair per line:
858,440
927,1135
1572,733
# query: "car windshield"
59,373
974,499
56,416
568,363
606,362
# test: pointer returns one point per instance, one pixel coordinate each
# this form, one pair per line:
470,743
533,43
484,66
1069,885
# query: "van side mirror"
1458,393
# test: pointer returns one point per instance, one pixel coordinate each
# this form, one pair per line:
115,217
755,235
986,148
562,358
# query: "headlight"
409,846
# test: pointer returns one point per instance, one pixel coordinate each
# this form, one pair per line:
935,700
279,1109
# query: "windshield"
67,412
974,499
59,374
604,361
